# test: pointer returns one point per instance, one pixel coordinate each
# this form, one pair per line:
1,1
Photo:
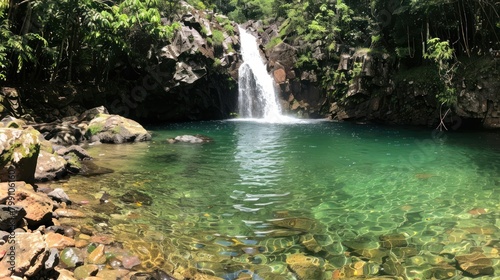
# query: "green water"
250,198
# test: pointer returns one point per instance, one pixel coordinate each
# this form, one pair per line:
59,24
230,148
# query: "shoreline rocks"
35,245
46,152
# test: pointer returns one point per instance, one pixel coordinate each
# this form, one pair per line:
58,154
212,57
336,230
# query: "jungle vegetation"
83,40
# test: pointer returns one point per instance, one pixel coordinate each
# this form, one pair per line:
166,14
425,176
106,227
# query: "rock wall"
367,85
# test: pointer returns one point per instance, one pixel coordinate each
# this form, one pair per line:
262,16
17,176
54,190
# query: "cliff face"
368,85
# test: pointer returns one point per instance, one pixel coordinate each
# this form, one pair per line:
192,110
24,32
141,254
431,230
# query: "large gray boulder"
50,166
116,129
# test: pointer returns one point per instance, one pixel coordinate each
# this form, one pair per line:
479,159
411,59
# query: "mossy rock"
19,151
115,129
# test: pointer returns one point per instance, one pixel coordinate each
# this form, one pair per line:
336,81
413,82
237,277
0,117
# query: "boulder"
62,132
38,206
116,129
30,255
10,216
193,139
50,167
18,154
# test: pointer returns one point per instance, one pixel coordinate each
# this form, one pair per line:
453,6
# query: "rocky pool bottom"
295,201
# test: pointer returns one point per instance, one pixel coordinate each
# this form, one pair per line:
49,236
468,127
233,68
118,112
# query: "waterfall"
257,97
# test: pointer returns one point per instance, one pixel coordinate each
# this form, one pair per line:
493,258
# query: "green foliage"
217,37
357,68
243,10
438,50
79,40
217,63
441,53
273,42
94,129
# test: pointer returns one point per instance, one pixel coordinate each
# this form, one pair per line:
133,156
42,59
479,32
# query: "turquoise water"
260,192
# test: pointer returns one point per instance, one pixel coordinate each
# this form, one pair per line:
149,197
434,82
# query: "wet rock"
376,255
59,241
393,240
19,154
105,198
129,262
134,196
361,243
359,269
69,232
69,213
38,206
115,263
59,195
71,257
55,229
28,257
116,129
310,243
393,266
102,238
443,272
112,274
483,230
80,152
405,252
162,275
97,255
142,276
193,139
10,216
306,267
89,168
64,274
52,259
302,224
85,271
475,264
50,167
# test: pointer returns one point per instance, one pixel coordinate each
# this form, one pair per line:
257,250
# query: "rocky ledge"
49,151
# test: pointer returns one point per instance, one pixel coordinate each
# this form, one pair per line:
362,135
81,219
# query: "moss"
19,150
117,129
94,129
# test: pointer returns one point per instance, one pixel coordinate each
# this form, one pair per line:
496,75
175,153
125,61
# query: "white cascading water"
257,97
